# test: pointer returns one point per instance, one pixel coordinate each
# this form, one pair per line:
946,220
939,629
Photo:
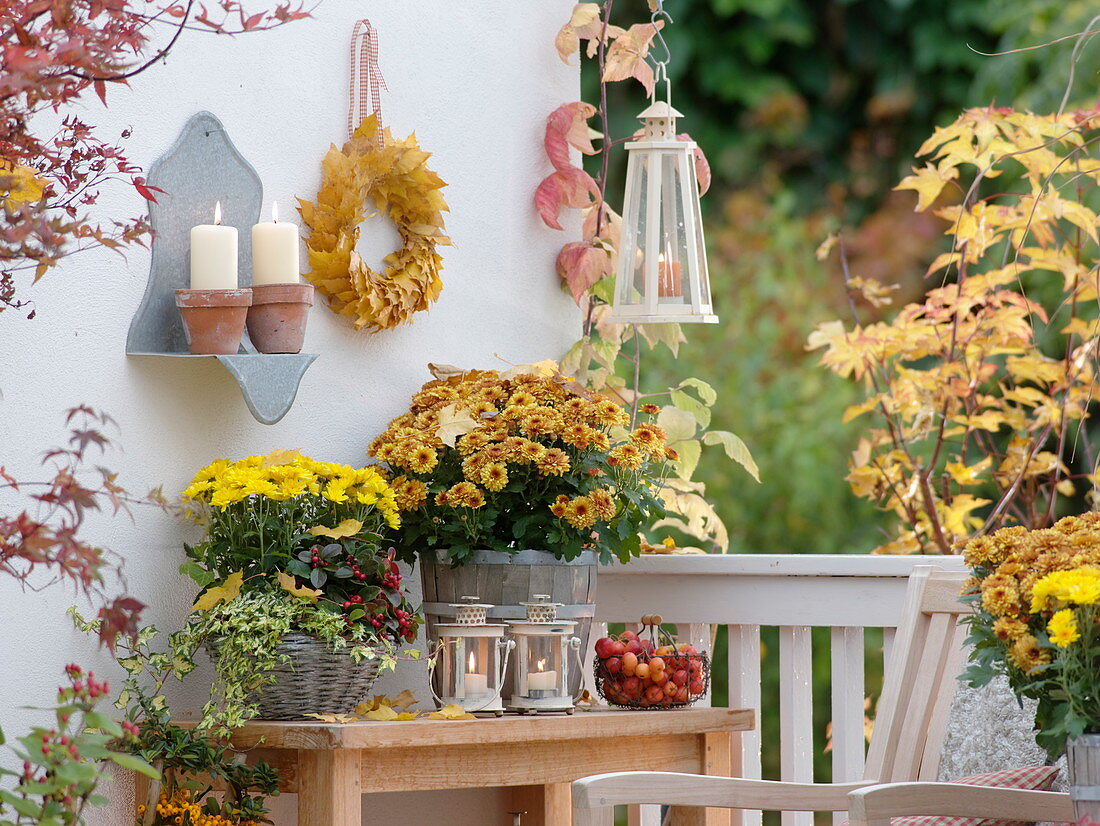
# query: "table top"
583,725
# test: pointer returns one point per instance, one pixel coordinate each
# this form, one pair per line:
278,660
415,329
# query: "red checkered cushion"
1036,778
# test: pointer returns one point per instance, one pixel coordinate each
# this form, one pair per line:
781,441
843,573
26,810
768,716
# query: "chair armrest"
677,789
875,805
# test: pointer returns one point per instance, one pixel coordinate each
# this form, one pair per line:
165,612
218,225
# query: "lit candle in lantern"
214,255
476,685
275,251
542,680
668,278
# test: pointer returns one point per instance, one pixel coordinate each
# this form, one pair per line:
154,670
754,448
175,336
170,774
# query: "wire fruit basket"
648,670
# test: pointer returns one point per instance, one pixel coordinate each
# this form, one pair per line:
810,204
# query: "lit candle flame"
217,213
541,665
472,662
275,212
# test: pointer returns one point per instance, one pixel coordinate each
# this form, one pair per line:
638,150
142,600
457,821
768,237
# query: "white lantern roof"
660,122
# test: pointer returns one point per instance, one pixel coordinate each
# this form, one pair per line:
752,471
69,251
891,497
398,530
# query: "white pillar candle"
542,680
214,255
476,685
275,251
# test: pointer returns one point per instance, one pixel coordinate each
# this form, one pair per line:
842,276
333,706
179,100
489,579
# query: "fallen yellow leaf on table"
452,712
335,718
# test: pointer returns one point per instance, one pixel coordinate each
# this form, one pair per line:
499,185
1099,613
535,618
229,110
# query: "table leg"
549,805
328,788
717,753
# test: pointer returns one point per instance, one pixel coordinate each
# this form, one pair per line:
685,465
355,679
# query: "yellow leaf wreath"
392,175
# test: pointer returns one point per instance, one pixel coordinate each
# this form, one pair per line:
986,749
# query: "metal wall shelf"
204,167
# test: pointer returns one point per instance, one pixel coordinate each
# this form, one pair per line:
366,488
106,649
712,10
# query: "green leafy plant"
63,765
522,459
188,765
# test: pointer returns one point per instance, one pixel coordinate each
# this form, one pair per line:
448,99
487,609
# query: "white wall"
475,81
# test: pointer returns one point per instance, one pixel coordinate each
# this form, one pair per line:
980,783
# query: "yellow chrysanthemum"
627,456
494,476
553,462
1062,628
1027,655
1076,587
580,513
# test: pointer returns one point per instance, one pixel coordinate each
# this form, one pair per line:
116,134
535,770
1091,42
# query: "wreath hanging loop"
374,169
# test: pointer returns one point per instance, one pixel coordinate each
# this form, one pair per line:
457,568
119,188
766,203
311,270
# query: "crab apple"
664,650
658,677
686,648
647,646
613,665
627,636
682,694
634,647
656,664
696,686
630,663
670,690
641,671
617,648
632,688
680,677
603,647
654,694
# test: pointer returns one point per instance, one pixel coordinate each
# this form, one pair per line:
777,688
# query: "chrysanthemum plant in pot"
1037,607
519,482
301,605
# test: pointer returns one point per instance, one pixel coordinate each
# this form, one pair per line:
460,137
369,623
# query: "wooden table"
330,765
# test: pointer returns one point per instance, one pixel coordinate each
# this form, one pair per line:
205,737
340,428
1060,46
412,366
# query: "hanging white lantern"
662,271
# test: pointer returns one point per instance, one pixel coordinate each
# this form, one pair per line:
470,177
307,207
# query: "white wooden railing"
794,593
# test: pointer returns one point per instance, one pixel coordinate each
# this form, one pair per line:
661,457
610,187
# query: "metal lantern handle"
432,662
575,645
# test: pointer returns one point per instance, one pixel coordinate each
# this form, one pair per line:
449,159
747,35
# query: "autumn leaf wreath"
373,168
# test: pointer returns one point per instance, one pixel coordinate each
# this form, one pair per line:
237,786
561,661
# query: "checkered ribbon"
366,78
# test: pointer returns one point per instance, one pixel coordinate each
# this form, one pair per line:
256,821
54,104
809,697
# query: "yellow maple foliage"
217,594
393,177
291,586
980,392
349,527
452,712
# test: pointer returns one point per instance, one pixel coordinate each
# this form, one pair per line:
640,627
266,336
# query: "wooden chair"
911,720
875,805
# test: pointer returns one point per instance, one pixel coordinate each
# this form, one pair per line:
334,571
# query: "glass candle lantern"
471,659
662,271
545,651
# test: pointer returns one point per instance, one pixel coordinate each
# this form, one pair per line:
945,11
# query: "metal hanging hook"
660,67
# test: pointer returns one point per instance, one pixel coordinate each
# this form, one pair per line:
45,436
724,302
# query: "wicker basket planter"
314,680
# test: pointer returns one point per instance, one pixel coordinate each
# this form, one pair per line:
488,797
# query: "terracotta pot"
213,320
277,318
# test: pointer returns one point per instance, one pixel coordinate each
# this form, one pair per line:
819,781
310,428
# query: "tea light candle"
275,251
214,255
475,685
542,680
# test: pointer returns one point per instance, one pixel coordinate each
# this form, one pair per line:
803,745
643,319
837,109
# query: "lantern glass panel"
470,667
542,669
630,287
674,259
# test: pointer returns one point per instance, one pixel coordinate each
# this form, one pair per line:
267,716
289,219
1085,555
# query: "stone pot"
213,320
277,317
1083,762
505,580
